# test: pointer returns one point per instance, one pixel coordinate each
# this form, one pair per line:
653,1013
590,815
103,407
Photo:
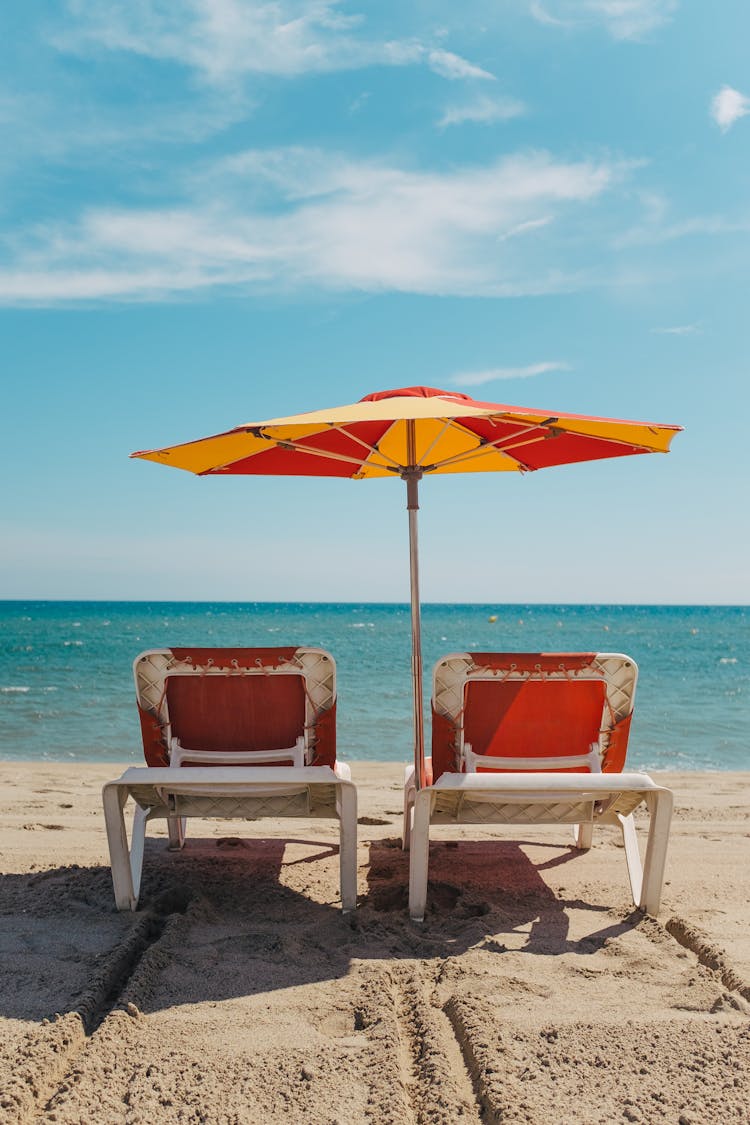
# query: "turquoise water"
66,690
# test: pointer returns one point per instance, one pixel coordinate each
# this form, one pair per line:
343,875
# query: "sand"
533,992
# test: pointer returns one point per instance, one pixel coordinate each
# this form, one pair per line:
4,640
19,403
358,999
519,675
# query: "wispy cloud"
453,66
359,102
542,15
678,330
494,374
728,106
623,19
526,227
220,39
660,231
482,111
224,41
297,217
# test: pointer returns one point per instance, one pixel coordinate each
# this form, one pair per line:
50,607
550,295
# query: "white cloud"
623,19
678,330
221,39
482,111
494,374
526,227
297,217
224,41
453,66
542,15
728,106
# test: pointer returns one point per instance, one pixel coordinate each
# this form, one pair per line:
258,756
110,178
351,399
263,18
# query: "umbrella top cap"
416,392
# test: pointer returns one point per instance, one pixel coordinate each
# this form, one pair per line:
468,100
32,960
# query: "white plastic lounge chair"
227,733
535,738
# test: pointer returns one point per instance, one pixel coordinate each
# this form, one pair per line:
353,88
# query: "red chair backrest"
531,705
236,712
236,699
533,719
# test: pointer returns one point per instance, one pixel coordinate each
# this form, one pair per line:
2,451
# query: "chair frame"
526,796
189,787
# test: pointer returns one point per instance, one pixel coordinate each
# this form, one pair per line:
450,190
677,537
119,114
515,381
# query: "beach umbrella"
409,433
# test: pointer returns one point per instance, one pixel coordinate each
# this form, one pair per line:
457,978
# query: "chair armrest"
179,754
591,761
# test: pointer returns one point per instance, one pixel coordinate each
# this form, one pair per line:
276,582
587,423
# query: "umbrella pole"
412,503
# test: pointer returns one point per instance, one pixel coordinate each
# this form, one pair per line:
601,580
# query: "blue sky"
219,211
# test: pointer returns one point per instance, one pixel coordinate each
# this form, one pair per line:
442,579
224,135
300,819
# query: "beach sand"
239,993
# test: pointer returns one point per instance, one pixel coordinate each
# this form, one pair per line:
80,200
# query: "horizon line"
362,602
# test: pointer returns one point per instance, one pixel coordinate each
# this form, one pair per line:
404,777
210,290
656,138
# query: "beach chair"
535,738
232,733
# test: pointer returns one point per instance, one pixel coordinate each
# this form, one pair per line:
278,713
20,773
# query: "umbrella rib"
285,443
497,445
387,463
504,445
366,445
449,422
554,428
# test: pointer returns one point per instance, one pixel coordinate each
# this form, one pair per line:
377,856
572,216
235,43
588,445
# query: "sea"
66,684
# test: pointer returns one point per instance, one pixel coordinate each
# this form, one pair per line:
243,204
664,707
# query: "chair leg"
410,792
346,801
419,856
126,863
176,831
632,856
137,844
660,808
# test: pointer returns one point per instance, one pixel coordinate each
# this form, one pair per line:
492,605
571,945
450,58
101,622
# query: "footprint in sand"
344,1025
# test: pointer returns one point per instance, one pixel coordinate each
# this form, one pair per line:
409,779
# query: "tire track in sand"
44,1061
712,957
431,1064
468,1028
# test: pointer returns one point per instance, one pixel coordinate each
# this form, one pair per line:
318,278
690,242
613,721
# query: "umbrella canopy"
452,433
408,433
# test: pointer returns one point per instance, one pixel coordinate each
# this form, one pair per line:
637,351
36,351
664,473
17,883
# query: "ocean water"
66,689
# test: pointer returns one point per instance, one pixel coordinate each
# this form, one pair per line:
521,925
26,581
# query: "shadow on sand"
220,920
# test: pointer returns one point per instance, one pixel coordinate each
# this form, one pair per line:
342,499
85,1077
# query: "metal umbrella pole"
412,475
